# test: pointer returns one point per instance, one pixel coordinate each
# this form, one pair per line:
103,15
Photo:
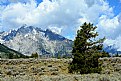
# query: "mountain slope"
6,52
29,39
112,49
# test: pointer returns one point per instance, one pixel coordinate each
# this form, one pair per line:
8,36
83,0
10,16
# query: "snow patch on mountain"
28,40
112,46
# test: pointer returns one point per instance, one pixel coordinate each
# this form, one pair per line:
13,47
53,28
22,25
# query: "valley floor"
55,70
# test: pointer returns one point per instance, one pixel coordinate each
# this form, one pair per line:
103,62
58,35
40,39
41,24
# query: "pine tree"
34,55
86,50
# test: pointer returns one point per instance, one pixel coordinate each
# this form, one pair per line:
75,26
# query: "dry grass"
55,70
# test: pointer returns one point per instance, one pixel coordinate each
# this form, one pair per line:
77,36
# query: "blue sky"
64,16
39,1
116,4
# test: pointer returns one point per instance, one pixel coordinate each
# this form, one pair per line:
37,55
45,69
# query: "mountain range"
112,50
29,39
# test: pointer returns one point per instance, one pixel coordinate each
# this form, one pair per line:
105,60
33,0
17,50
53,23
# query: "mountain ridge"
6,52
29,39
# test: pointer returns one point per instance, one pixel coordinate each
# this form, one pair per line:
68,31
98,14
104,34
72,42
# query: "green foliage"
86,51
66,56
34,55
58,55
105,54
6,52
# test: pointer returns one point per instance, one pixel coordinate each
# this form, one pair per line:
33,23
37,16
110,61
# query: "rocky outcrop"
55,70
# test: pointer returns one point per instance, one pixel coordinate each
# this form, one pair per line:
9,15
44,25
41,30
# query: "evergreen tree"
86,51
34,55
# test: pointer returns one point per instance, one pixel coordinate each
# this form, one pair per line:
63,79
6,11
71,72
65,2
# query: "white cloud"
14,14
111,28
65,16
108,26
58,12
115,43
55,29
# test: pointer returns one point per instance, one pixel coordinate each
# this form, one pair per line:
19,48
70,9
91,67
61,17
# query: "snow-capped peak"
29,39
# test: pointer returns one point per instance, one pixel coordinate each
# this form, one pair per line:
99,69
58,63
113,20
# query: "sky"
64,16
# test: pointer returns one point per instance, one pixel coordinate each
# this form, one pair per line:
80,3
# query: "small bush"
34,55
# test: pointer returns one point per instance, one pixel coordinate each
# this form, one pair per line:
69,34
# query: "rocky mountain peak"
30,39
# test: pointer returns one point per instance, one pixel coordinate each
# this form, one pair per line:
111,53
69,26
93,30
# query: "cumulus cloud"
62,16
109,27
55,29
